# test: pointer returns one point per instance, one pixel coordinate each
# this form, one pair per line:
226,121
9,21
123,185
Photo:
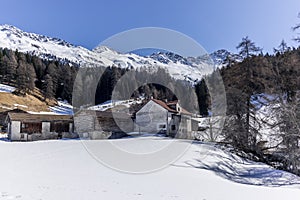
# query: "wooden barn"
102,124
3,116
30,127
165,117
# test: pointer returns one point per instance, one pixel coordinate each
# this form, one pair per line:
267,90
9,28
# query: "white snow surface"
112,103
63,108
63,169
53,48
6,88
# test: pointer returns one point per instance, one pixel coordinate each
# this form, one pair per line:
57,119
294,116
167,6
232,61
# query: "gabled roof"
166,105
27,117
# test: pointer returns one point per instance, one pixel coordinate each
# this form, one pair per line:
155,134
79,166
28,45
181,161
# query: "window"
59,127
162,126
24,125
31,127
173,127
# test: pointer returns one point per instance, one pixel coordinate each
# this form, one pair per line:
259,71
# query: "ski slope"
52,170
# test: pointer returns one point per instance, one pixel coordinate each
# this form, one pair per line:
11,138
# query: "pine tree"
282,48
248,49
31,77
21,78
2,67
48,88
203,97
10,63
295,28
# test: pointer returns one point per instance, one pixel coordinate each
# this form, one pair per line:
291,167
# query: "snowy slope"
51,170
112,104
7,88
53,48
43,46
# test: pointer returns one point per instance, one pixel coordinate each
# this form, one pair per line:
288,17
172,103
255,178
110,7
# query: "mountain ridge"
188,69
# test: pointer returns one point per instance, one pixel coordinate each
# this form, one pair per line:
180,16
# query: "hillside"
29,102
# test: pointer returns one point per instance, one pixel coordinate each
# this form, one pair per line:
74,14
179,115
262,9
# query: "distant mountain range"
182,68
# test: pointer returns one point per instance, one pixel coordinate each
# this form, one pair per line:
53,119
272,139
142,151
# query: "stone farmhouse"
166,117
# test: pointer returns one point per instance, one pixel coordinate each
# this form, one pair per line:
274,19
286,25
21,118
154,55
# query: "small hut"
102,124
29,127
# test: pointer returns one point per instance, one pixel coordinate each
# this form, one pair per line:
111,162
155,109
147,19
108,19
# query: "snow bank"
6,88
63,108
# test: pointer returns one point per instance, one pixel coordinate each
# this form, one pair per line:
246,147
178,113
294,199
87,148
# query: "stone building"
30,127
102,124
165,117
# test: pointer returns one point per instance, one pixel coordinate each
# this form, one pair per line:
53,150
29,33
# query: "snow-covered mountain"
221,56
190,69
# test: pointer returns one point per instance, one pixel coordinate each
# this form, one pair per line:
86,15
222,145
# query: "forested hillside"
25,72
263,94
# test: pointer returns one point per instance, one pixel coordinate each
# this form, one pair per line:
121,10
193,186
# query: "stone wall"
102,125
150,117
14,130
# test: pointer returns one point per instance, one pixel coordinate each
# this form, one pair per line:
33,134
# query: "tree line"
270,82
27,72
55,79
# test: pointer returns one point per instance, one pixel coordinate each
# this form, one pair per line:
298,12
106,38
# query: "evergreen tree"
282,48
21,78
247,49
295,28
10,64
203,97
48,87
2,67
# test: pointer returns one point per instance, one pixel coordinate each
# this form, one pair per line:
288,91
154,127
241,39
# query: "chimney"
178,108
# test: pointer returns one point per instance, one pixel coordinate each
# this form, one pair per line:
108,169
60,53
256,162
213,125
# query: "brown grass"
34,102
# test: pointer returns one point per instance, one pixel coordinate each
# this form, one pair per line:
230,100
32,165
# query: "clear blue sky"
215,24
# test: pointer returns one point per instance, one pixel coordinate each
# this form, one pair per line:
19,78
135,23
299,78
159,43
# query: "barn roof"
164,105
167,105
4,114
27,117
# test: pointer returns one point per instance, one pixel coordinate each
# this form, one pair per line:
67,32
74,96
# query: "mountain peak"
179,67
102,49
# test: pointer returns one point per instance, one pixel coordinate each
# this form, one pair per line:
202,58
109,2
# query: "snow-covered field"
64,169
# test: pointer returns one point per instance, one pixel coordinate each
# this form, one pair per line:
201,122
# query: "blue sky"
215,24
